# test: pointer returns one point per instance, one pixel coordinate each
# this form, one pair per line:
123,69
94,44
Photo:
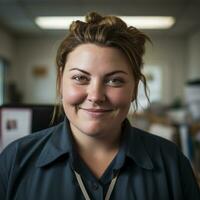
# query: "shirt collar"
135,148
59,143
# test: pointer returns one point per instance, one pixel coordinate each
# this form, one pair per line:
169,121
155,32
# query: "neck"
97,152
88,144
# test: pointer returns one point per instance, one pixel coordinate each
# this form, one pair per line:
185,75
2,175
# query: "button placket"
98,193
94,186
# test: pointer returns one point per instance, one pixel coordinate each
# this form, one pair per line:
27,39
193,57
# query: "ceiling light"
153,22
56,22
150,22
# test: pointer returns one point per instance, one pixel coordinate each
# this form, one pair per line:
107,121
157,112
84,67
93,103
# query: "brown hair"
108,31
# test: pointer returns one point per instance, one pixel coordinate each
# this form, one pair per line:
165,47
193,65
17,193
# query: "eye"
115,82
80,79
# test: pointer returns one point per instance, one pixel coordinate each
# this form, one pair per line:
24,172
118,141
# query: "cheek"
121,98
73,95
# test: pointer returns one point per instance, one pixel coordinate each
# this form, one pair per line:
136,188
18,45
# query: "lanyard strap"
83,189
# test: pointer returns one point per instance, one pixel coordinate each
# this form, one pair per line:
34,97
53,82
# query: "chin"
93,129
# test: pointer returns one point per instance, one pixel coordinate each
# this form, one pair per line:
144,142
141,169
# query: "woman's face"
97,87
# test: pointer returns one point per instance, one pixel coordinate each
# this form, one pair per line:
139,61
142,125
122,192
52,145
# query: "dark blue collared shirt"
40,167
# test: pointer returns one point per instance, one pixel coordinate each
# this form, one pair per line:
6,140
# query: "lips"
94,113
97,110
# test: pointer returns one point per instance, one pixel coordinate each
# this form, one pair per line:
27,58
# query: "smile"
99,110
96,112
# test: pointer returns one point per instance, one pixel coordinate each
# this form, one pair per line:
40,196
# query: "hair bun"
93,18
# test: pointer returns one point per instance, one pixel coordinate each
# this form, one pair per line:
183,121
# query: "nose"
96,92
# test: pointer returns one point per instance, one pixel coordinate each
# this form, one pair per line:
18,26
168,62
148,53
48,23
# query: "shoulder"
20,156
169,163
166,157
29,145
153,142
160,150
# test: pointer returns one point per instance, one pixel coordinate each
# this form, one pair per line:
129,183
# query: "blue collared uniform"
41,167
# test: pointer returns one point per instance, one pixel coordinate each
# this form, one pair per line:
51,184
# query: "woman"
95,153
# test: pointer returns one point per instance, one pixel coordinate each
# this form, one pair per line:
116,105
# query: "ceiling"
17,16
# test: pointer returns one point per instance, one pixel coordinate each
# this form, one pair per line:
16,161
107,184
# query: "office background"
28,70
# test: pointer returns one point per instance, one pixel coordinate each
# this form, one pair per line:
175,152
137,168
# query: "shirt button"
95,186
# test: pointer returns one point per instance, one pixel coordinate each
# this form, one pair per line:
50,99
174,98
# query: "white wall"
170,55
31,52
194,56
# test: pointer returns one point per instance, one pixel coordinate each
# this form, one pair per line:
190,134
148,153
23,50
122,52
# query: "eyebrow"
108,74
83,71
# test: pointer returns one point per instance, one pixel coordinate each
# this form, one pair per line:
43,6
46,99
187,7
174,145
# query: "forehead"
97,57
